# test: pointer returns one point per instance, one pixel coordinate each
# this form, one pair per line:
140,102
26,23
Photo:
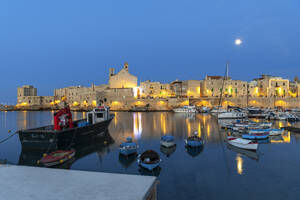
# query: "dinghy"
167,141
149,160
242,143
57,157
129,147
194,141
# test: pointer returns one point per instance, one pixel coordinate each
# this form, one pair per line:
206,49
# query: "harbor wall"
167,104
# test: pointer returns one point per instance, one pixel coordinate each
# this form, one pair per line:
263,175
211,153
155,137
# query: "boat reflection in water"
126,161
99,144
154,172
264,141
194,151
168,150
250,154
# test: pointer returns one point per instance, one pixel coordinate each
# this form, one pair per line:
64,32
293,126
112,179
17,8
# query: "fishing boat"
65,130
57,157
194,140
149,160
242,143
256,136
129,147
186,109
167,141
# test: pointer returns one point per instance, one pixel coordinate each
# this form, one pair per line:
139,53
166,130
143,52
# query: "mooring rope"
8,137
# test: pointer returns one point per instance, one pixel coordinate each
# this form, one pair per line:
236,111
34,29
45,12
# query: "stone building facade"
214,86
25,91
187,88
123,79
270,86
150,89
27,96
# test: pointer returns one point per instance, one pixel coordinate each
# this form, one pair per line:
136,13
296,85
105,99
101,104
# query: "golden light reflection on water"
280,124
137,125
208,130
188,125
287,137
163,123
199,129
239,164
116,118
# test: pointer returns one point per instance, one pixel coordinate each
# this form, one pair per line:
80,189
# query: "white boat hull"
167,144
231,115
243,143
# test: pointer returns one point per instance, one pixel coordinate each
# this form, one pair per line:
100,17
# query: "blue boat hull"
150,167
255,137
194,143
127,152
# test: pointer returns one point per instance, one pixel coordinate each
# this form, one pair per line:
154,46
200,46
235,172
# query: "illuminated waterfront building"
271,86
214,86
155,89
187,88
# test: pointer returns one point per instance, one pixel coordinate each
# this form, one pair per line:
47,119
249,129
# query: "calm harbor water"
214,172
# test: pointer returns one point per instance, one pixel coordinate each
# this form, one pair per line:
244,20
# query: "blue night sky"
59,43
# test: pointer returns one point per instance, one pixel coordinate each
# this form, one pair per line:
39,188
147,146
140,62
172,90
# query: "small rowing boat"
167,141
194,141
128,148
57,157
242,143
149,160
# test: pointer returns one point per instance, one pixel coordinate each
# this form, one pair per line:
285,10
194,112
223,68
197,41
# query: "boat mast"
225,78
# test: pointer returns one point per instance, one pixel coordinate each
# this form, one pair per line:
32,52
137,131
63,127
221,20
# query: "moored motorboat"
242,143
149,160
129,147
194,140
232,115
186,109
57,157
167,141
257,136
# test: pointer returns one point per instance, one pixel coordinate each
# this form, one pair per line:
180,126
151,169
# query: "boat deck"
34,183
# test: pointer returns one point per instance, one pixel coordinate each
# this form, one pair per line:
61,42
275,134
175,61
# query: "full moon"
238,41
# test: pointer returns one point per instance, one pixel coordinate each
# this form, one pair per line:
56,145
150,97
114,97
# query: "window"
99,115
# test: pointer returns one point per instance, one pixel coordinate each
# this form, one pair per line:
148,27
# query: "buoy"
61,161
44,154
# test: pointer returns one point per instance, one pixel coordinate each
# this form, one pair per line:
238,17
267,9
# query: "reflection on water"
185,173
239,164
168,150
137,124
